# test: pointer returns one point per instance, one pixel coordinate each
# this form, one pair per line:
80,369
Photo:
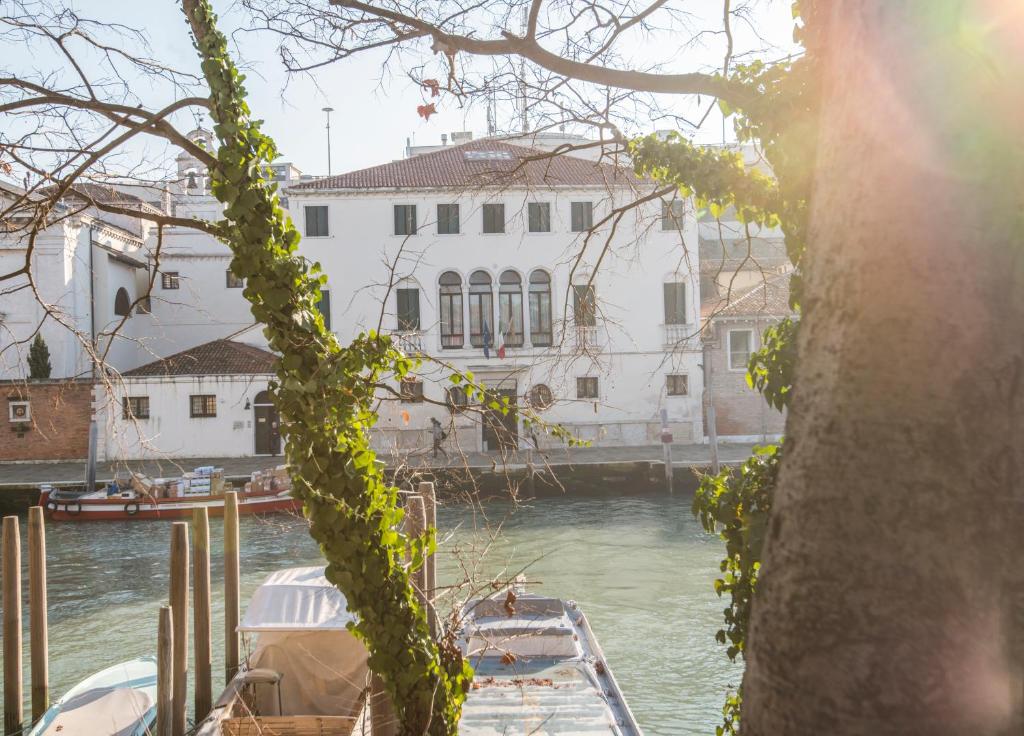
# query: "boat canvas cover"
297,599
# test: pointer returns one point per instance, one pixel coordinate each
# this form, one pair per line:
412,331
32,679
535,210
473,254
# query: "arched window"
510,308
452,331
122,303
540,308
481,309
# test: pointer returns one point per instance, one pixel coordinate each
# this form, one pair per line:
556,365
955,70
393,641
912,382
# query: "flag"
487,341
501,343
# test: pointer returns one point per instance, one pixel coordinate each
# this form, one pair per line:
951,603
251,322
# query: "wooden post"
179,610
426,490
201,607
39,649
12,626
231,586
165,673
383,721
415,523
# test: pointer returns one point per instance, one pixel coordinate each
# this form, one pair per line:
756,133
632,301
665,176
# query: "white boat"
117,701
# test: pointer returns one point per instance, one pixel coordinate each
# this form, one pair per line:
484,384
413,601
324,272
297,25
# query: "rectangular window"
676,385
324,305
741,344
233,281
411,391
202,405
169,280
582,216
494,218
408,309
405,219
316,221
584,306
539,215
448,219
451,317
675,303
586,387
672,215
136,407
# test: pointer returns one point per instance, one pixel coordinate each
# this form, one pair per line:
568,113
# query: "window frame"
407,326
540,296
544,217
415,396
11,404
492,207
202,412
510,301
451,310
583,387
233,282
407,221
306,221
729,351
476,300
131,407
585,216
323,306
672,221
671,384
170,280
584,307
447,218
671,319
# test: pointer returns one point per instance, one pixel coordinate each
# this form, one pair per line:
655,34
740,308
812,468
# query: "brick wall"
740,411
58,428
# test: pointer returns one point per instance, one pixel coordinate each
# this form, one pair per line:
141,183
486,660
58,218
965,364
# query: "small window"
169,280
741,344
324,305
456,399
405,219
411,390
586,387
19,411
582,216
144,305
202,405
540,397
233,282
677,385
675,303
672,215
122,303
408,309
539,215
316,221
584,303
135,407
448,219
494,218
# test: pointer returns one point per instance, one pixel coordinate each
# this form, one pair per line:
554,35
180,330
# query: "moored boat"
117,701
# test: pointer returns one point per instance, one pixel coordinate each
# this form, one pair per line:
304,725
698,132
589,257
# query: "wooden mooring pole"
415,523
165,673
201,607
179,618
13,714
231,585
39,648
383,721
426,491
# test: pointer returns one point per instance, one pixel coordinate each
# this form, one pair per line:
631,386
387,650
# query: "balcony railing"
410,343
587,338
681,337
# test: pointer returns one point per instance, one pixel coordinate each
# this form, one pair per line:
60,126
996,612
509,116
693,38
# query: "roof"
220,357
297,599
770,298
482,162
103,194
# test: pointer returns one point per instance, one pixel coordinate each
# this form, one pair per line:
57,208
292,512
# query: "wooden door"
266,426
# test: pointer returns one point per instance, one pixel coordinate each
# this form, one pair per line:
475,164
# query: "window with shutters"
584,306
316,221
675,303
452,331
170,280
540,309
135,407
411,390
510,309
494,218
586,387
447,219
539,216
481,309
741,344
405,219
582,216
672,215
202,405
324,306
408,310
677,385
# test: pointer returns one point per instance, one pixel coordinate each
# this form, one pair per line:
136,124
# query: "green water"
640,567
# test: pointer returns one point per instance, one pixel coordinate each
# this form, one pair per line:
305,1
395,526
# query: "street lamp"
328,110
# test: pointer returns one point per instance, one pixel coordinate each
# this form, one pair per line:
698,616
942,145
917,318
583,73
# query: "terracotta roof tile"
220,357
479,163
768,299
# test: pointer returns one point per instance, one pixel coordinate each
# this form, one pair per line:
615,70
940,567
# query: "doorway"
267,425
500,430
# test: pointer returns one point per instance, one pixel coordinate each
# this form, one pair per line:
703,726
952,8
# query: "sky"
374,113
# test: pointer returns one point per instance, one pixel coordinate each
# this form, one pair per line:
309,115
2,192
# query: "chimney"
444,139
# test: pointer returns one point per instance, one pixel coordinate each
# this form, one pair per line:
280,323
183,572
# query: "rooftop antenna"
328,110
522,83
492,128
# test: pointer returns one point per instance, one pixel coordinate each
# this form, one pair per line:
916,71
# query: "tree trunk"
890,601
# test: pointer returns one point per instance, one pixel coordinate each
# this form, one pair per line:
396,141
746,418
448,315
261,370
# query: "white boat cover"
298,599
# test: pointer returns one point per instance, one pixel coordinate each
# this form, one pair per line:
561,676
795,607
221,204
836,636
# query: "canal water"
640,567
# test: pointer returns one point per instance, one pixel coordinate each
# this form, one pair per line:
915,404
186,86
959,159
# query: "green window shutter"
408,311
675,303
